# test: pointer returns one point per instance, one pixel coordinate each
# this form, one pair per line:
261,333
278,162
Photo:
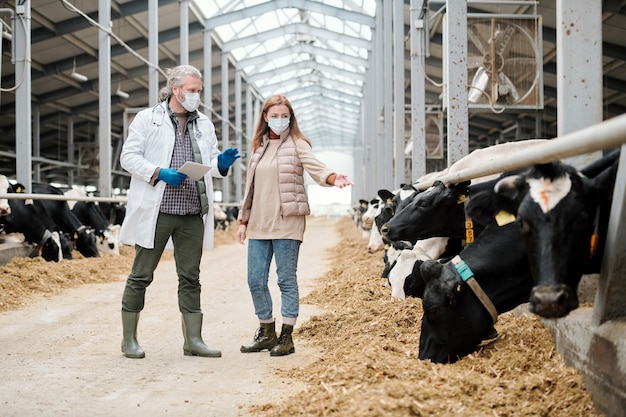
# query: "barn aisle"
61,355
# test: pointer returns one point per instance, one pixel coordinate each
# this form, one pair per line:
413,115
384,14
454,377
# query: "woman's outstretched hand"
342,181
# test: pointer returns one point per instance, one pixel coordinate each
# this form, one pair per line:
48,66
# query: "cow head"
558,211
86,242
454,321
373,209
109,240
66,244
50,247
429,214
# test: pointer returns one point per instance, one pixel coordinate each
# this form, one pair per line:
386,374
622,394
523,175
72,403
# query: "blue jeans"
260,254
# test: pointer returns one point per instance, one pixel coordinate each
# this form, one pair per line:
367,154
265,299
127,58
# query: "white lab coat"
149,145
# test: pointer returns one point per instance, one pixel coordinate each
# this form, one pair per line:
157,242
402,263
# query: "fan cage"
518,52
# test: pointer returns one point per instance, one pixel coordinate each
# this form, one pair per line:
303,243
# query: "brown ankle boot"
265,338
285,342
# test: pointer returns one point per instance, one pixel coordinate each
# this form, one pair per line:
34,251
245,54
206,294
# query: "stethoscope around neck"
158,121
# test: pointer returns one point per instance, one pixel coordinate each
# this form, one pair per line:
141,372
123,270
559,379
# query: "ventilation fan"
504,62
434,136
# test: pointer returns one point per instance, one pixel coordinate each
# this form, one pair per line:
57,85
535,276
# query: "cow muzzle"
552,301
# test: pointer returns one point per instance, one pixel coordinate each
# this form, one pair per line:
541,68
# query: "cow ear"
414,284
460,187
512,187
385,194
603,183
483,206
430,269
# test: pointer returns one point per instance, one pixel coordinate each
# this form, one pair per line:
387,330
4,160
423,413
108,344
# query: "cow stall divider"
589,339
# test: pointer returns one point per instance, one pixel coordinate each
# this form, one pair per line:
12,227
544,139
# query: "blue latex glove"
227,158
171,176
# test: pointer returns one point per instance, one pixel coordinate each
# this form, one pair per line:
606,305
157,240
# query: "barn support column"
398,93
377,131
153,52
245,152
386,179
37,142
236,169
70,149
225,128
184,32
104,99
579,69
456,79
418,91
207,85
23,131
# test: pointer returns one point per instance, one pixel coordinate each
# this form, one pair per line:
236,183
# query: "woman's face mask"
278,126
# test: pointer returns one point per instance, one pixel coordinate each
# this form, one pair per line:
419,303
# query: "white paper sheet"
194,170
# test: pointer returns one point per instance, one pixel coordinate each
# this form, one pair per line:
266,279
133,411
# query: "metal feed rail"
606,135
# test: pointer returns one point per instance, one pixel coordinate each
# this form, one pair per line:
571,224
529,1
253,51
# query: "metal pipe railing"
606,135
27,196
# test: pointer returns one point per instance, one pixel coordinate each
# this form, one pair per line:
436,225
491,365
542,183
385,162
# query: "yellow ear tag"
504,217
458,288
389,201
593,245
462,199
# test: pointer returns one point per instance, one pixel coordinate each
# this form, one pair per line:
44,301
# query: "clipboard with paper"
194,170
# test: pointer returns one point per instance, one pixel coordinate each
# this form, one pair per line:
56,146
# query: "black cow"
23,219
57,212
114,212
455,322
558,211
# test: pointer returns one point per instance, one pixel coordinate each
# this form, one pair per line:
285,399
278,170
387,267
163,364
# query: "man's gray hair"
176,76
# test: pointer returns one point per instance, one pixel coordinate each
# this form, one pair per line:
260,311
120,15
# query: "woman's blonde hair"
262,127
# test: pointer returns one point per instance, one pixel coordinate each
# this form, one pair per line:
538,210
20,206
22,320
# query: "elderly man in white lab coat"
164,203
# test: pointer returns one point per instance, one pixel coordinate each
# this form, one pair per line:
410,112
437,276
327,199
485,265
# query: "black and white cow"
5,208
57,213
89,214
563,216
24,219
455,321
356,212
437,212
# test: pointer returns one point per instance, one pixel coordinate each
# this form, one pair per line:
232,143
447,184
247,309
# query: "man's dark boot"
265,338
285,342
192,331
130,346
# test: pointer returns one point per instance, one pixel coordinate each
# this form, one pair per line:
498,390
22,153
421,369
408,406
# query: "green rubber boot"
192,331
130,346
265,338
